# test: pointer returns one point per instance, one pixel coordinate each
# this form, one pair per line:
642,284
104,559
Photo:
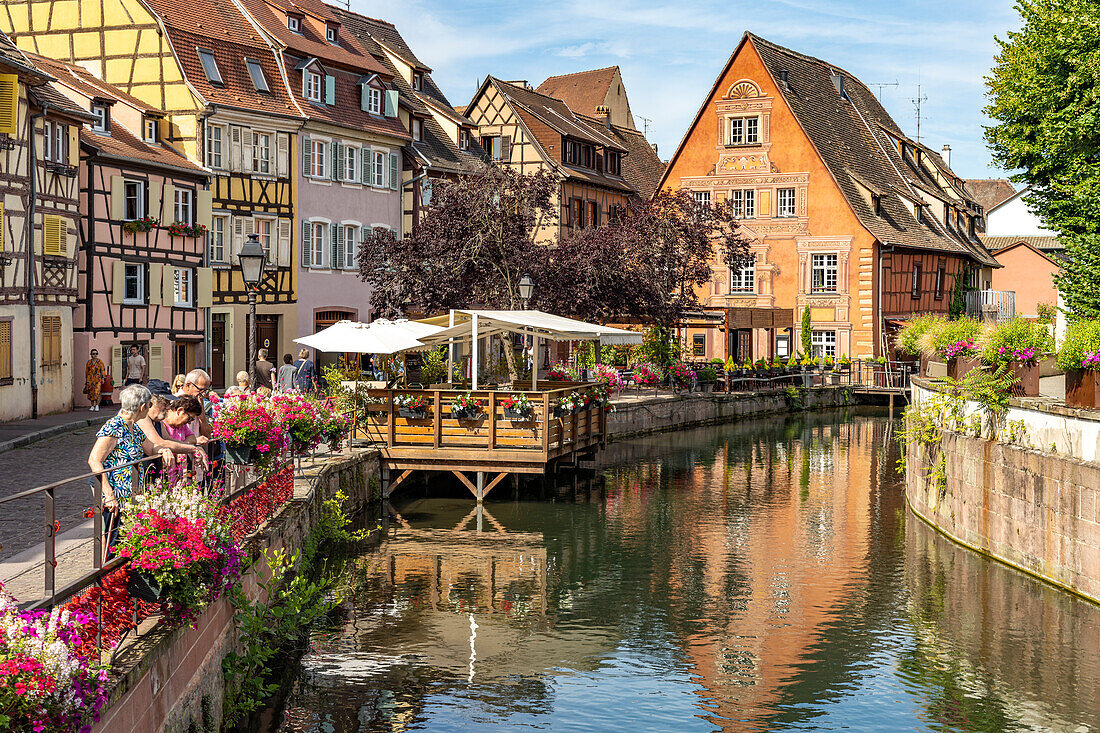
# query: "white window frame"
743,201
314,86
743,278
351,245
827,264
378,165
60,136
374,101
701,197
151,126
268,238
261,163
319,239
47,140
823,343
739,132
100,112
464,139
417,81
293,24
184,287
417,129
331,34
134,271
318,158
215,146
351,164
219,227
785,205
138,197
183,207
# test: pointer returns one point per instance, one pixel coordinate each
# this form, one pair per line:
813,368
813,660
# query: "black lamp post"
252,261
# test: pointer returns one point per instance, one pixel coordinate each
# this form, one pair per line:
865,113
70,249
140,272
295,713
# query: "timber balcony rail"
492,435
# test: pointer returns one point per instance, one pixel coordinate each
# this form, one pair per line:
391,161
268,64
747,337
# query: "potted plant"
1020,344
250,429
298,414
411,407
844,364
956,342
1080,357
335,425
517,407
681,375
559,371
144,224
608,378
569,404
908,339
707,378
433,365
648,374
465,407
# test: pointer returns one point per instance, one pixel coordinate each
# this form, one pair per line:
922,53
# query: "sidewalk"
19,433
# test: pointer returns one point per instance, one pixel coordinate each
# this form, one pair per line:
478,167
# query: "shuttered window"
51,341
5,352
9,103
55,232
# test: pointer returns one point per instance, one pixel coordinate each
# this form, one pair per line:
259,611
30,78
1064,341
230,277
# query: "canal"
760,576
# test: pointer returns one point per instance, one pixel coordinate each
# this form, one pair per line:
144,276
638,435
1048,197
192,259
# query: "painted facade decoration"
39,216
848,217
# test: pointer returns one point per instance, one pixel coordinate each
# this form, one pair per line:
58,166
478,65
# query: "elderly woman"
243,385
121,441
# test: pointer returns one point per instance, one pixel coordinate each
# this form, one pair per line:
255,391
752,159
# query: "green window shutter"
364,169
337,246
305,245
395,172
307,151
330,89
339,167
334,150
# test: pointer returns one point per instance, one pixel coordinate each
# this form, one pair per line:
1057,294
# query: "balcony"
994,305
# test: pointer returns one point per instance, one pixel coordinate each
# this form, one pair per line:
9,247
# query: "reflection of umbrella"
378,337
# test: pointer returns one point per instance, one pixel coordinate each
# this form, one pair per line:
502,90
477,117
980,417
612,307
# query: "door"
321,321
217,350
267,333
743,345
183,356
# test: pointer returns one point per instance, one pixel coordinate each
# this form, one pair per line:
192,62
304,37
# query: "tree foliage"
479,239
1044,101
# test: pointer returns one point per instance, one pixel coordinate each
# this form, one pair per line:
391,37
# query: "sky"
670,54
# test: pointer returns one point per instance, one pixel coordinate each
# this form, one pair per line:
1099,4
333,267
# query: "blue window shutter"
307,150
390,103
330,89
395,174
306,254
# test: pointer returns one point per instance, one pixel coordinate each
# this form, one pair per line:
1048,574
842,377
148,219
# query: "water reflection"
763,576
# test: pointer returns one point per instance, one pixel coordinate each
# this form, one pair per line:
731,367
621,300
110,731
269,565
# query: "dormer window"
418,81
464,139
374,101
613,162
151,129
330,33
210,67
102,114
313,86
294,23
256,73
417,128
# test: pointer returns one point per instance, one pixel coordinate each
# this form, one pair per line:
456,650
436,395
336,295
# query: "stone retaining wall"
694,409
172,680
1035,510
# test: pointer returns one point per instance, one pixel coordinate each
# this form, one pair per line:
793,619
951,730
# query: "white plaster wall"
1015,219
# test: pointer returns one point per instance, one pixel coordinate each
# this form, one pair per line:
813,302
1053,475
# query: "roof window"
330,32
257,73
294,23
210,67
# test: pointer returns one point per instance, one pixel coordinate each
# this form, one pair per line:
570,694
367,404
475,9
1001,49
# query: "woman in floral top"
121,441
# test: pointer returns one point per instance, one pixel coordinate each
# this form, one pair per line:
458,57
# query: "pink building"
142,282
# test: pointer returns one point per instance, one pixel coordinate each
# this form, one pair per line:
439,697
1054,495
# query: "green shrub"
939,337
1019,340
707,375
908,338
1082,339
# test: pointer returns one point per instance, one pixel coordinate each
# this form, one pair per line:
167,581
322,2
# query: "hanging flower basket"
411,407
144,587
517,407
239,454
465,407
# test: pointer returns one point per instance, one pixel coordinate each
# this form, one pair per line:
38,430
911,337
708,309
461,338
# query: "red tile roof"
583,91
990,192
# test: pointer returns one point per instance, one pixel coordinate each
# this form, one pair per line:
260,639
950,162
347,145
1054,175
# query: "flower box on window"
180,229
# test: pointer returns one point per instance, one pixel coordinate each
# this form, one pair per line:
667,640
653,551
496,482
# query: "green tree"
807,331
1043,100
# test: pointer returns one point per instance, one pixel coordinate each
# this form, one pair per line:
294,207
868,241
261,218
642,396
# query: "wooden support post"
473,354
534,363
462,477
437,419
480,494
493,420
392,437
397,482
545,424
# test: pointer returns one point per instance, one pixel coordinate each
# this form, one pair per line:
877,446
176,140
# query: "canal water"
760,576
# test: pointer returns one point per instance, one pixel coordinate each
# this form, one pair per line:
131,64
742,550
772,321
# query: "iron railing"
999,304
889,375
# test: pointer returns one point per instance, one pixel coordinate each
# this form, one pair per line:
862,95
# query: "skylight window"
210,67
257,73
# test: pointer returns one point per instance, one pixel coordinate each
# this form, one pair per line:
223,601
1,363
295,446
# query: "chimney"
783,79
946,155
838,82
603,112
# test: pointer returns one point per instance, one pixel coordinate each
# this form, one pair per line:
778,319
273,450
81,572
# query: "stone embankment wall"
693,409
1036,510
172,680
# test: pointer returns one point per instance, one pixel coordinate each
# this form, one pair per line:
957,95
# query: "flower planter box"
144,587
465,414
562,412
959,367
517,416
239,454
706,386
412,414
1083,388
1028,374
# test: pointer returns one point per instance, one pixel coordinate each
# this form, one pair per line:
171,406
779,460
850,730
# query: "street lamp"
526,290
252,260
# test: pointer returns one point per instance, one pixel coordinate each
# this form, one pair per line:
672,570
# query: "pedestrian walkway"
18,433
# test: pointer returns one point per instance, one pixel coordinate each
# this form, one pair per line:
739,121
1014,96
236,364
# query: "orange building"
848,216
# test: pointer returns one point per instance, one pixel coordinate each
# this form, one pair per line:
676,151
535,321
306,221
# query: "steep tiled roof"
1039,243
990,191
642,169
356,25
123,144
855,138
553,112
386,34
10,55
583,91
443,155
220,27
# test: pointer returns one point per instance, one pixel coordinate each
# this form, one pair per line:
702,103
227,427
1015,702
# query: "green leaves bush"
1082,338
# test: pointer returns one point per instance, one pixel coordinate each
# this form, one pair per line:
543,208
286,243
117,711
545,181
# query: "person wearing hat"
168,423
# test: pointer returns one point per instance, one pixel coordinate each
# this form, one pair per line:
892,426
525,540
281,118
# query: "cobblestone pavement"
22,522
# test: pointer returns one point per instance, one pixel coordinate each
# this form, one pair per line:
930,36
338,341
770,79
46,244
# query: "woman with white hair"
121,441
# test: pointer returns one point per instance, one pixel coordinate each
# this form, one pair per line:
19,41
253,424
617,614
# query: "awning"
531,323
377,337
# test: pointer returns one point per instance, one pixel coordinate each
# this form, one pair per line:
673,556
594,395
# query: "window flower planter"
467,413
518,415
1083,388
412,414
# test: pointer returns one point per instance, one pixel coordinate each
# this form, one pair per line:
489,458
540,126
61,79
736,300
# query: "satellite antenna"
645,124
880,85
918,101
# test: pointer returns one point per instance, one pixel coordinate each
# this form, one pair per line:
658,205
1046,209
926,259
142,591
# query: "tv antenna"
918,101
645,124
880,85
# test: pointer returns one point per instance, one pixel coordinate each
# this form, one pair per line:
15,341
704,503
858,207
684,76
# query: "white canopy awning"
378,337
532,323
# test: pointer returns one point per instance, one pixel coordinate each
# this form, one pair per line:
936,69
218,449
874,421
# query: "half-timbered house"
848,216
145,288
443,142
349,180
39,215
227,107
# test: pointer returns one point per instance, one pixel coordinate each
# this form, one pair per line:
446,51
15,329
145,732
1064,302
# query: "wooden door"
744,345
267,335
217,350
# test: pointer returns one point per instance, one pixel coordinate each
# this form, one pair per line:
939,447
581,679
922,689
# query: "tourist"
94,372
171,424
177,383
305,373
242,386
262,371
121,441
197,384
135,368
286,375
